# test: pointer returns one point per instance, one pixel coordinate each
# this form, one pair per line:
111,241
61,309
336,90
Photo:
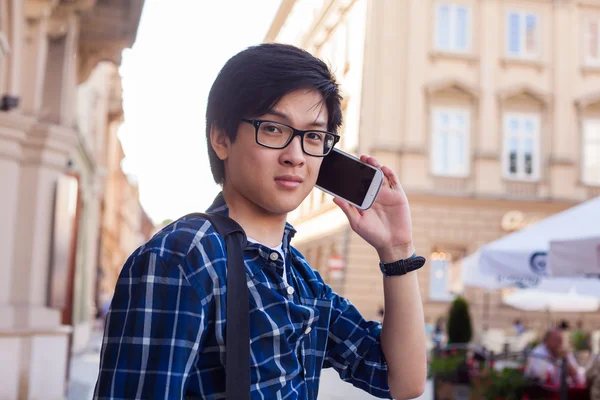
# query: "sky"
181,45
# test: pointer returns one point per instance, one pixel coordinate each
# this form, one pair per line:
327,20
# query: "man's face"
554,342
277,180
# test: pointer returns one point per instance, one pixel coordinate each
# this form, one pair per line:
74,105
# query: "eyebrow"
314,124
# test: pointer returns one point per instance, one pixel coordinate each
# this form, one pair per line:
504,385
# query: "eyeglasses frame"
295,132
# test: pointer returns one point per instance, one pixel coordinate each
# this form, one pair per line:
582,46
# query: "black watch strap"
402,267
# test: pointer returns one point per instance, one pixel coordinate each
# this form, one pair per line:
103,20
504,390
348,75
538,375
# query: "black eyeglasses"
276,135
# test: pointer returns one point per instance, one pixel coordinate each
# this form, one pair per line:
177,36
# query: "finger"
370,160
391,176
351,212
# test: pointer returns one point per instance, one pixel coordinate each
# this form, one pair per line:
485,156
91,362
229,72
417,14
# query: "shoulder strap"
237,334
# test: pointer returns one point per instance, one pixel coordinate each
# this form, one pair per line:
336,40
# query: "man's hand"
387,224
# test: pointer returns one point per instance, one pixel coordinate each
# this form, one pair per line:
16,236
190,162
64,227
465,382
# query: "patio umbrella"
472,275
524,254
538,300
575,257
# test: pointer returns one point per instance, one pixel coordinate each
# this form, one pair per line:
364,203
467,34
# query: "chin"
282,207
283,204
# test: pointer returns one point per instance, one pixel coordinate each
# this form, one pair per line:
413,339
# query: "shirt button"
274,256
290,290
307,331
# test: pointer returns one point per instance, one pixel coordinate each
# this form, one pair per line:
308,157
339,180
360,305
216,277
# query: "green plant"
445,366
580,340
508,384
459,322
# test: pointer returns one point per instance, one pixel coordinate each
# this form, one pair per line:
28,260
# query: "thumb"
351,212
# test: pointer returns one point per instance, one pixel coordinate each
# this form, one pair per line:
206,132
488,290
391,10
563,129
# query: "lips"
289,181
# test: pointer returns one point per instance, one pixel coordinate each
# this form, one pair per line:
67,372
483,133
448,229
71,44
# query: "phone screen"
345,177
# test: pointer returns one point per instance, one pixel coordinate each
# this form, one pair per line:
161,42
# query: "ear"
220,142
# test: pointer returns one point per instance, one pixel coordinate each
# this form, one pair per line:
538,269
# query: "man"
544,361
519,327
166,327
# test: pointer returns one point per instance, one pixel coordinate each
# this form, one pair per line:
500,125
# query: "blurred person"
438,332
544,360
519,327
592,377
564,325
429,328
165,329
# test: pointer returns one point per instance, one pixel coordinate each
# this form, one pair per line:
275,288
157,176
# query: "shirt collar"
219,206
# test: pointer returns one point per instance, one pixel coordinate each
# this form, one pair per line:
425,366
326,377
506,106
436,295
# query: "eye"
314,136
271,128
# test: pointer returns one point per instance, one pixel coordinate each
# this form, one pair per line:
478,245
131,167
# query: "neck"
258,224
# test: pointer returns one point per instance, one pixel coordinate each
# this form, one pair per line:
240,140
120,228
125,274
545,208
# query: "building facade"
488,110
124,225
58,99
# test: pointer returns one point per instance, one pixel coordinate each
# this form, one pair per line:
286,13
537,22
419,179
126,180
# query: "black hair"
254,80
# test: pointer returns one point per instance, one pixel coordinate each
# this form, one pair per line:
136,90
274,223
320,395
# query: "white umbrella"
472,275
538,300
523,254
575,257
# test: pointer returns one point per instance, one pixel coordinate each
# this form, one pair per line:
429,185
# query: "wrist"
395,253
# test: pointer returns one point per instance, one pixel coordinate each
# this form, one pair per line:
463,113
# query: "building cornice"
281,17
103,37
450,83
525,89
589,99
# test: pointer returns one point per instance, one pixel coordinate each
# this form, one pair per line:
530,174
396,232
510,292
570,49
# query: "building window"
591,49
522,35
450,155
591,152
440,279
453,28
521,146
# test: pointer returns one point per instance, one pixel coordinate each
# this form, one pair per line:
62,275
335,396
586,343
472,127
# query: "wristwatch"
402,267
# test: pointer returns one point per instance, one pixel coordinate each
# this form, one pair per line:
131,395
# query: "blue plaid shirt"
165,330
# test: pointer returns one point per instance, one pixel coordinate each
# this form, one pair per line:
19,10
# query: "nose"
293,155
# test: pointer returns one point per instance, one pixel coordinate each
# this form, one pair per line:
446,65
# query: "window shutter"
514,33
528,156
592,40
436,152
591,152
444,125
531,34
443,27
461,132
512,145
462,28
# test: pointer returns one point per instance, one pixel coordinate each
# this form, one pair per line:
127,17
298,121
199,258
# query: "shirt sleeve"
354,348
154,328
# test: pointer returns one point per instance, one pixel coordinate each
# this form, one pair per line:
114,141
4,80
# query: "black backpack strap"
237,335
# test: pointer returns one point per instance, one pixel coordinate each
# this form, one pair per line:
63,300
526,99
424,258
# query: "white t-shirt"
542,367
278,249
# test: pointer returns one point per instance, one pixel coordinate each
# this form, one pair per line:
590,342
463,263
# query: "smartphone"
345,176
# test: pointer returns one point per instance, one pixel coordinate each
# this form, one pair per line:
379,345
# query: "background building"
59,105
124,226
488,110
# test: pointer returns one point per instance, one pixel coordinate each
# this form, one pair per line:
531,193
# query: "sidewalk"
84,371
